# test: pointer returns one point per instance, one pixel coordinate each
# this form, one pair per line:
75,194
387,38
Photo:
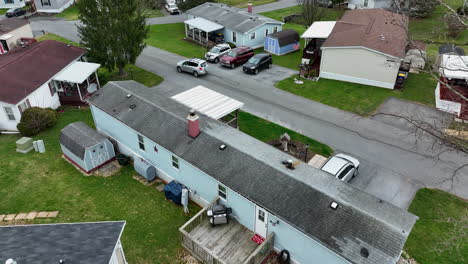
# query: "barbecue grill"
219,214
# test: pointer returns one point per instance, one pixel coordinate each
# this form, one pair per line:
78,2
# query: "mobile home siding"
15,4
22,32
373,69
259,35
203,189
56,6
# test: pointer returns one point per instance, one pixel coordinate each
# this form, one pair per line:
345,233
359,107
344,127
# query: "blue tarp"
173,192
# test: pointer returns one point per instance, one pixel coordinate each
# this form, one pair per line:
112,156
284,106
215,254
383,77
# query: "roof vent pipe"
193,124
249,7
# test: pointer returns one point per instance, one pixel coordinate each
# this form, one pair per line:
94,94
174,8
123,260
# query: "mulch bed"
296,149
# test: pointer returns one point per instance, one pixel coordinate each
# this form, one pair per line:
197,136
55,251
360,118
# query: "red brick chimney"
249,7
193,124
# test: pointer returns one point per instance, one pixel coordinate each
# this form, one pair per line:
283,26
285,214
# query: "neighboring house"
12,3
237,26
366,46
93,242
453,82
362,4
43,74
12,30
52,6
85,147
304,210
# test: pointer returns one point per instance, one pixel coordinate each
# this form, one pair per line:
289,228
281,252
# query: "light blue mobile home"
237,26
85,147
314,216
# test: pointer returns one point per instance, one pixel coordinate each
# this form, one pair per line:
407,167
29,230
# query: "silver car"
342,166
194,66
217,52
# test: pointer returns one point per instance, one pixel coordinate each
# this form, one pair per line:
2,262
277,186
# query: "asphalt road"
395,161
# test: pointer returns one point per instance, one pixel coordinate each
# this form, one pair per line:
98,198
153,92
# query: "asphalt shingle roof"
73,243
78,136
300,197
230,17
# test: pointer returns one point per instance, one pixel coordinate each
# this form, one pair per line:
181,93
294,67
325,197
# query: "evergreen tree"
112,31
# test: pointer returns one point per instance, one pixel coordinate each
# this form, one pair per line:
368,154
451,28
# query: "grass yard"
265,131
3,11
170,37
361,99
34,181
440,234
133,72
70,13
153,12
243,3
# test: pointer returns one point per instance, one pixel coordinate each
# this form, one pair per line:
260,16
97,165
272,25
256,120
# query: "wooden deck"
231,243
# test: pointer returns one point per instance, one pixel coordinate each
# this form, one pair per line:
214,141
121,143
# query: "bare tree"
311,11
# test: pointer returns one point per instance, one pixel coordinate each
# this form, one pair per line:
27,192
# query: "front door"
261,221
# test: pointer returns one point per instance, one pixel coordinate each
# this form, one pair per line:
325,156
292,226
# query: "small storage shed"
282,42
85,147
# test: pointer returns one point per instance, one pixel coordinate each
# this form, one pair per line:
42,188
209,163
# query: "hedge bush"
36,119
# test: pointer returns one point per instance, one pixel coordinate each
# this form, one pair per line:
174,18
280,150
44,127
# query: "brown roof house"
43,74
365,46
12,30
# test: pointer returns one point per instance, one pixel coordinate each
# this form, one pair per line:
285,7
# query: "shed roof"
78,136
319,29
203,24
48,243
451,49
230,17
77,72
209,102
377,29
300,197
285,37
8,25
454,66
39,61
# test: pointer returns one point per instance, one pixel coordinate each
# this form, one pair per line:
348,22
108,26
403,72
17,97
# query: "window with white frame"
45,2
222,193
275,29
175,162
9,113
9,1
234,37
141,142
252,35
24,105
266,32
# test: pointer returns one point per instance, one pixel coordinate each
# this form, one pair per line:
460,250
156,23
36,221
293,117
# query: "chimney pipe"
249,7
193,124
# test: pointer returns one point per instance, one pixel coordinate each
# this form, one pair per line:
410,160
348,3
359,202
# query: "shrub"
35,119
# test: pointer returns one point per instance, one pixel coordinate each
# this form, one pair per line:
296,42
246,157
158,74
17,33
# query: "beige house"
366,47
11,32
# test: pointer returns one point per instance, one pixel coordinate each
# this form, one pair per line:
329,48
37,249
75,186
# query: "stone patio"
28,216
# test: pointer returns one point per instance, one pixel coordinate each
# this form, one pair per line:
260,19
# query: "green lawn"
170,37
133,72
265,131
361,99
153,13
440,234
32,182
3,11
434,27
70,13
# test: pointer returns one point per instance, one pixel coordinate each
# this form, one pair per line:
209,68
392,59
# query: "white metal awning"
454,66
203,24
208,102
5,37
319,29
77,72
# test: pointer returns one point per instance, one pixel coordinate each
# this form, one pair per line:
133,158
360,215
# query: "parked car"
194,66
258,62
237,56
217,52
15,12
342,166
172,8
325,3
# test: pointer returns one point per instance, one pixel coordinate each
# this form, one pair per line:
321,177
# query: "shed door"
261,221
100,155
272,45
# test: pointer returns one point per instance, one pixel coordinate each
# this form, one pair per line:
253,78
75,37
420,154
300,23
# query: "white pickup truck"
171,7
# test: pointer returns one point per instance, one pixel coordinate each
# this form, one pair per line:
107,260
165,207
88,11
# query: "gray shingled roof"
230,17
301,197
78,136
73,243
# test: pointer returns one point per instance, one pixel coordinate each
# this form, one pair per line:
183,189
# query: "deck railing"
197,249
262,251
